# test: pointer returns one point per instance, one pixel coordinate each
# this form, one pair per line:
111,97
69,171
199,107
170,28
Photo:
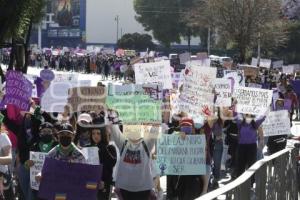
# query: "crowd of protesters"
135,179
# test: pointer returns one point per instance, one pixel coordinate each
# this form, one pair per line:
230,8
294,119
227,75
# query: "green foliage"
136,41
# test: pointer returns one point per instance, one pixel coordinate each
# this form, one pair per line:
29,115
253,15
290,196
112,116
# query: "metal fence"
276,178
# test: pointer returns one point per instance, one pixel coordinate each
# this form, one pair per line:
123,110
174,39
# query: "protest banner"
38,159
277,123
87,98
197,91
159,72
184,57
65,77
237,77
155,91
288,69
296,86
47,75
277,64
91,155
223,92
18,90
177,156
254,62
266,63
69,180
56,96
253,100
109,51
136,110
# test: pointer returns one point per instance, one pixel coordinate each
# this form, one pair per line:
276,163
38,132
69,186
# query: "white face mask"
248,120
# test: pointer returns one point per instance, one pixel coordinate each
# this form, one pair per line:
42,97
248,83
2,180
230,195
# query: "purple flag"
70,181
18,90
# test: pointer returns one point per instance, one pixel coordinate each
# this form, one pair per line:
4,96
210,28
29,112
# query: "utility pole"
117,20
208,42
258,50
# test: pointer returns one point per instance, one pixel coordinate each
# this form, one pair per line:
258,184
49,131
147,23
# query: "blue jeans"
24,180
217,158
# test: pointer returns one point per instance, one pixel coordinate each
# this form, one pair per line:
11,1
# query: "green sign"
136,109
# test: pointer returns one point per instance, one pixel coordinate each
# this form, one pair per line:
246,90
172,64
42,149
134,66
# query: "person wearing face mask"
247,141
107,156
83,135
44,145
134,178
66,150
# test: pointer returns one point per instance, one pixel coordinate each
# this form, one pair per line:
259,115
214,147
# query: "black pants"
172,184
105,193
246,156
142,195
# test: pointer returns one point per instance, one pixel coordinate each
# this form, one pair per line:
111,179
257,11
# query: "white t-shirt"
4,142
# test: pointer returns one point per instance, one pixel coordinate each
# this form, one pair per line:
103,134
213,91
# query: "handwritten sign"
158,72
277,123
253,100
223,92
56,96
38,159
277,64
237,77
266,63
136,109
288,69
63,180
91,155
176,156
197,91
87,98
18,90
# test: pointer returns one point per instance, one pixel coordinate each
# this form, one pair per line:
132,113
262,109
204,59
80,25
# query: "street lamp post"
117,20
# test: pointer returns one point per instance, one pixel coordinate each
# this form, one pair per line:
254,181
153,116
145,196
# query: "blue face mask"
198,125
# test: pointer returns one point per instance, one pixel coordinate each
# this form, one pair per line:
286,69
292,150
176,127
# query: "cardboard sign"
252,100
176,156
56,96
251,71
184,57
137,109
277,123
18,90
38,159
197,90
87,98
63,180
159,72
223,92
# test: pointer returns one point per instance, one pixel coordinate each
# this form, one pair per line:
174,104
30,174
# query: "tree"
245,23
16,19
164,19
136,41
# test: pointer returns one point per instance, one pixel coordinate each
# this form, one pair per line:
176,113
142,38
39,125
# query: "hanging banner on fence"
38,159
56,96
18,90
197,90
177,156
223,92
137,109
155,91
277,123
159,72
87,98
184,57
277,64
64,180
253,100
266,63
91,155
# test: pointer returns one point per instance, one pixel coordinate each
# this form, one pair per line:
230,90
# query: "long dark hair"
253,123
104,138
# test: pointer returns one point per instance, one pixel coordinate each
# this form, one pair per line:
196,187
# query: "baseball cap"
65,127
85,117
